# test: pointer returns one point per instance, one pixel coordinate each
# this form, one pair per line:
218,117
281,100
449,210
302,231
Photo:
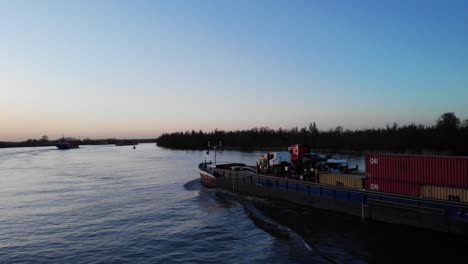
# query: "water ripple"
107,204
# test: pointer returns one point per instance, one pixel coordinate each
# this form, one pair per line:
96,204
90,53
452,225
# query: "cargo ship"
65,144
428,192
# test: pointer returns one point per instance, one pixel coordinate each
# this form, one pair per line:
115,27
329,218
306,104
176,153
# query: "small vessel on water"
126,143
66,144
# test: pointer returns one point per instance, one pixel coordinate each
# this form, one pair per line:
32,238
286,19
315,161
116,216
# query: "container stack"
354,181
435,177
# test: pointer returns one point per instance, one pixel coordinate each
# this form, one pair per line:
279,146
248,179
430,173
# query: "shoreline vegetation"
45,142
448,136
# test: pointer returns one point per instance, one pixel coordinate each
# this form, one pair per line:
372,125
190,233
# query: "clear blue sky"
141,68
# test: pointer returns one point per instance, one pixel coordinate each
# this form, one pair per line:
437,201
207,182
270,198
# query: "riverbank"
325,150
48,143
448,136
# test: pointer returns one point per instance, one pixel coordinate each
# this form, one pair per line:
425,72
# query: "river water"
109,204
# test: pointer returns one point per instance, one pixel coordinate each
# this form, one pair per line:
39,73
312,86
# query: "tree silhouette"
465,124
446,136
448,121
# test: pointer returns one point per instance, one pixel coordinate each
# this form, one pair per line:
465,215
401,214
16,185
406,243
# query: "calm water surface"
109,204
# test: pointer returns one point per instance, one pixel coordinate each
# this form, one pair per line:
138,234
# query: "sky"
136,69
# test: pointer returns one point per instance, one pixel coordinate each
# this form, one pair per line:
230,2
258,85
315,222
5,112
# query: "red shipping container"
425,170
394,187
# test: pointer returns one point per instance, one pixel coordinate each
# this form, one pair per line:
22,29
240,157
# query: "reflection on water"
102,204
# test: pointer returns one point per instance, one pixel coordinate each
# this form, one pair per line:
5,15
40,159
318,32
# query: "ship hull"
207,179
66,146
444,216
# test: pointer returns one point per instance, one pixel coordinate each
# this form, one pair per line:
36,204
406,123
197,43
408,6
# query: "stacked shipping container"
407,174
445,193
343,180
388,186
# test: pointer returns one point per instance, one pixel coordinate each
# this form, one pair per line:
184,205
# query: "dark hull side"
66,146
394,209
207,179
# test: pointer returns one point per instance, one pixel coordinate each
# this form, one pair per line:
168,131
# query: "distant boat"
126,143
64,144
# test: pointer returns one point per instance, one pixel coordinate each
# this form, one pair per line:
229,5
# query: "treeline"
44,141
447,136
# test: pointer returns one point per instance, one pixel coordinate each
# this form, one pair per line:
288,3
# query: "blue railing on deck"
454,210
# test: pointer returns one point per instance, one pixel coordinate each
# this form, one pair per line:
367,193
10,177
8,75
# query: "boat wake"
13,153
193,185
272,227
257,217
264,222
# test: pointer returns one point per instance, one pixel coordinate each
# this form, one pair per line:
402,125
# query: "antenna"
216,149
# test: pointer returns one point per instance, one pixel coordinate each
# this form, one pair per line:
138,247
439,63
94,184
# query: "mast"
215,149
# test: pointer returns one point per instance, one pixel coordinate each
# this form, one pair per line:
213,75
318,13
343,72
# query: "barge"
359,195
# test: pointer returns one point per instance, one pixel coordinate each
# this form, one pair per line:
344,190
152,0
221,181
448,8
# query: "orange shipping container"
445,193
343,180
